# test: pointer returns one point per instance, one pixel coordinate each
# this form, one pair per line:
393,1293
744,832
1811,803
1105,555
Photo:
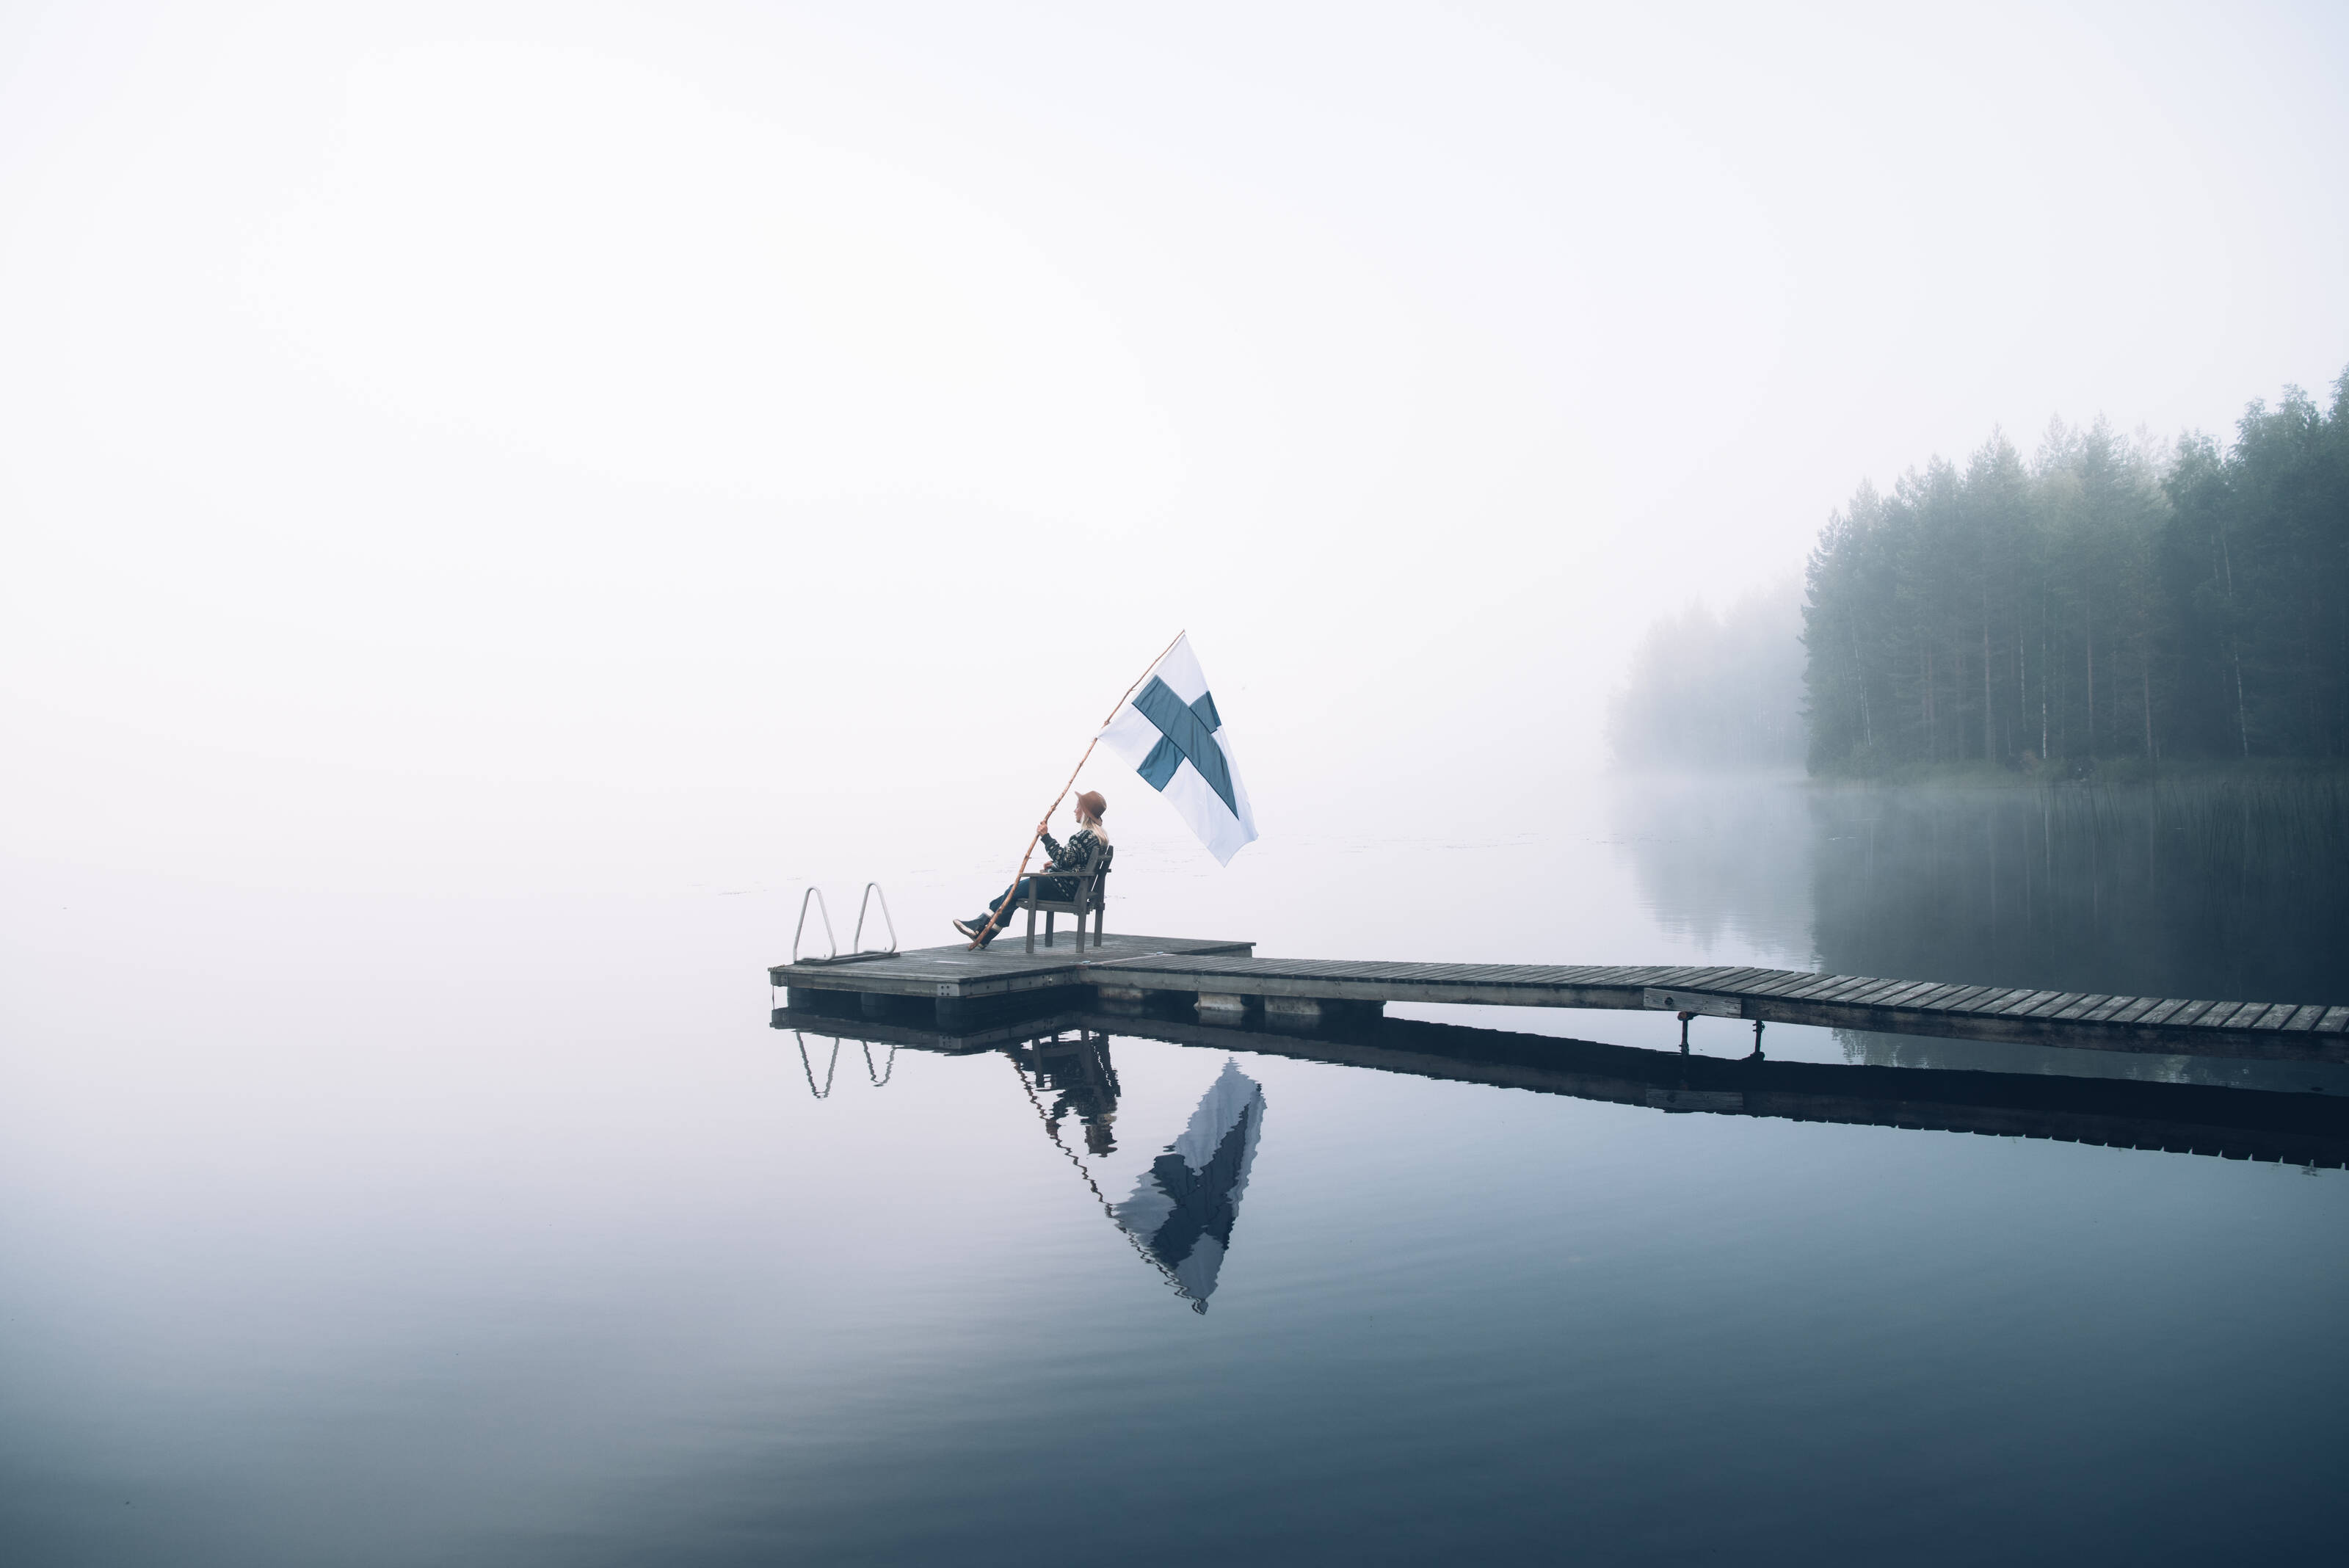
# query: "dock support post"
1685,1023
1757,1040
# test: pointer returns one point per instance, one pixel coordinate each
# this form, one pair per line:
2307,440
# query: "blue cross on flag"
1170,730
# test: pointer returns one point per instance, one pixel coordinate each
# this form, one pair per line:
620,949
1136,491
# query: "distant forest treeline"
2107,599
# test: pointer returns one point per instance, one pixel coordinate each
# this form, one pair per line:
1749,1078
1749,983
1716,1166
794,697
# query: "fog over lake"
502,499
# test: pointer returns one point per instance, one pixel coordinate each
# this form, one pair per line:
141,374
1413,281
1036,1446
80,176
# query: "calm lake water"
406,1227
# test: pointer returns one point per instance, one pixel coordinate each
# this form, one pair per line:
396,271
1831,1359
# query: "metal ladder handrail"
856,943
797,931
860,952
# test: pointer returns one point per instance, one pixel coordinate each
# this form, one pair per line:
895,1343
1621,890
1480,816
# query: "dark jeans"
1061,888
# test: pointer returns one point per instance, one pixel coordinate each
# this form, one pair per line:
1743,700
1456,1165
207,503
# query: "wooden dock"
2307,1129
1224,979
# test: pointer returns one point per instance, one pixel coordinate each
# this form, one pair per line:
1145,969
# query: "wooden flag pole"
985,929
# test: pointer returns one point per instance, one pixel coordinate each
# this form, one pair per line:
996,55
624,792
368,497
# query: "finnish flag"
1170,730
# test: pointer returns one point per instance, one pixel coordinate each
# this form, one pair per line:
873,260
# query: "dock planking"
955,980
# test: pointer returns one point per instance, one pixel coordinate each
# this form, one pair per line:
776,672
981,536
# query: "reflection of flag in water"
1184,1205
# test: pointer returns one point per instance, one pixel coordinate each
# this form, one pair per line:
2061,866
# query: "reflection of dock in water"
2237,1124
1223,980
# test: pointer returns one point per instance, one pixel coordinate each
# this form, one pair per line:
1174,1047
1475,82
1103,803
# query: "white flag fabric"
1170,730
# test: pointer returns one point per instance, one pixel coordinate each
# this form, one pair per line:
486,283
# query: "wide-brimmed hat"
1091,803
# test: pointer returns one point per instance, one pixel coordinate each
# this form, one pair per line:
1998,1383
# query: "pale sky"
731,406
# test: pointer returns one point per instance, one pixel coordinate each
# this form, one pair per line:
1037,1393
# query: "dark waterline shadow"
2303,1128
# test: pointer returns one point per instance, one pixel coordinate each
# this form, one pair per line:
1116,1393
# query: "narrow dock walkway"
1224,977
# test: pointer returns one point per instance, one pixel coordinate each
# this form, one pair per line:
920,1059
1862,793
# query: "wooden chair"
1085,899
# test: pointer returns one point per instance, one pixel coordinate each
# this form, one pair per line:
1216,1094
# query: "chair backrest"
1090,876
1091,879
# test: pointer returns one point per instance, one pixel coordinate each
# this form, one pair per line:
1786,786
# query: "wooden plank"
2276,1016
2137,1008
2334,1021
1566,979
2086,1004
1840,987
1808,986
1821,987
2305,1018
1969,999
2165,1011
2033,1005
1550,975
1873,995
2047,1011
1905,995
2112,1006
1992,997
1787,983
2222,1014
2189,1011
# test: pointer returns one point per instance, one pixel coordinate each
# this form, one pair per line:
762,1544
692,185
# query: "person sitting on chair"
1069,856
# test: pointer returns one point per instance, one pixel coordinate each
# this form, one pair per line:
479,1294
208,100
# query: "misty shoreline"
2078,773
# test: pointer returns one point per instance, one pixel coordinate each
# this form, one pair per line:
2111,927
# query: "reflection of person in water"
1069,856
1080,1069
